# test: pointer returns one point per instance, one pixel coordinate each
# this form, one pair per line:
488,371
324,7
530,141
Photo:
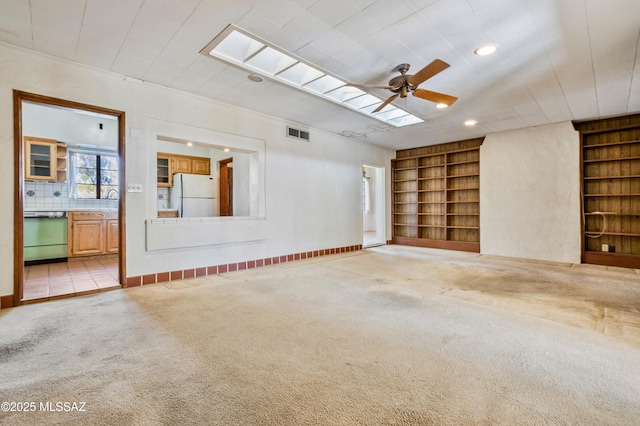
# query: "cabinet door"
201,166
87,237
181,165
40,159
164,172
112,236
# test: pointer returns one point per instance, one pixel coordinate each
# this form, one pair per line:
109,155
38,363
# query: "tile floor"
54,280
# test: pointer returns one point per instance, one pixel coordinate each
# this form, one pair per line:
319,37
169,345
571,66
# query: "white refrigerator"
194,195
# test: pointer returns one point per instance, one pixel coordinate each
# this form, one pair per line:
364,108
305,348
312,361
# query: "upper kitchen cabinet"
170,164
200,166
181,164
45,160
165,176
190,165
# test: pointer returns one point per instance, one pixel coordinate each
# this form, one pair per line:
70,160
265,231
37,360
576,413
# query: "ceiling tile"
307,27
201,70
333,12
174,59
103,32
443,12
281,12
331,42
15,24
387,12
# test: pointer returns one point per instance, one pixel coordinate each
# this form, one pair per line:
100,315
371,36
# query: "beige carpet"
387,336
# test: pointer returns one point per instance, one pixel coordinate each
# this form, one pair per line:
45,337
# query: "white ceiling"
557,60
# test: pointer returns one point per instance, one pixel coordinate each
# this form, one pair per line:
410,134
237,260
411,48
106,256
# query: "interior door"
226,187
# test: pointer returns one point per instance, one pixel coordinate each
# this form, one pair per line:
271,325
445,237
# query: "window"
94,175
366,207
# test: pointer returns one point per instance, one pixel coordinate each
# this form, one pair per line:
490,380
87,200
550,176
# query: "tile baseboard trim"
6,301
161,277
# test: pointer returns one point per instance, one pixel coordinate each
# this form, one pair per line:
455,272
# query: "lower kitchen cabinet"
111,227
92,233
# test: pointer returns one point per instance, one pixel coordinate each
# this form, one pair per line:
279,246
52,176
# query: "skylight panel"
270,61
407,120
300,74
387,108
324,84
370,108
344,93
391,114
363,101
237,46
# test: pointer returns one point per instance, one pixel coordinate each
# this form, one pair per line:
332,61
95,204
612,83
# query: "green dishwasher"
45,239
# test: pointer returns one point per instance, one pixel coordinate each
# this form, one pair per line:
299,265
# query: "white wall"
312,189
530,194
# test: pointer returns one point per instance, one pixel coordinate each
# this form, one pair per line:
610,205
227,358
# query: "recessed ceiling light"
471,122
226,150
189,143
486,49
262,59
442,106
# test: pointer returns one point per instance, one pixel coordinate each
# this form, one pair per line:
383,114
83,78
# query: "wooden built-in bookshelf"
436,196
611,191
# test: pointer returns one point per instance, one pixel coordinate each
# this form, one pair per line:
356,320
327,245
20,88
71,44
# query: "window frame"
98,153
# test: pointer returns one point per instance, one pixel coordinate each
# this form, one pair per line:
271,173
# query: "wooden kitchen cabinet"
169,164
45,160
181,164
165,176
111,228
191,165
201,166
92,233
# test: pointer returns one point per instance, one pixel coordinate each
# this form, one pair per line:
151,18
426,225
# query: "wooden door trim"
18,172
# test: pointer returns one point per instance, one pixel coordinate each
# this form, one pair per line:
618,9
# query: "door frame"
18,172
380,202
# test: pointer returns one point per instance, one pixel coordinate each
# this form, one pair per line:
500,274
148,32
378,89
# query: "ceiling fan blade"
439,98
427,72
385,103
371,86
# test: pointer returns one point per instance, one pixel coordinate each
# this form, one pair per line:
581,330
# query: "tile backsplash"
163,198
55,196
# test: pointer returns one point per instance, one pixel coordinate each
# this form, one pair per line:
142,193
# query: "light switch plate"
134,187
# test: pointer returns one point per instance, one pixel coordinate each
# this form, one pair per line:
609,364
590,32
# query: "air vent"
298,134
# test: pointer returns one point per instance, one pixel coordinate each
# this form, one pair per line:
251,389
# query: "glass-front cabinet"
45,159
40,159
164,170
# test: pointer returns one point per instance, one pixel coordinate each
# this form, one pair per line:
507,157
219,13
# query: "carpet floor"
387,336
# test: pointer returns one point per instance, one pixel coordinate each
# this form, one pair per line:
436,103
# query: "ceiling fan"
404,83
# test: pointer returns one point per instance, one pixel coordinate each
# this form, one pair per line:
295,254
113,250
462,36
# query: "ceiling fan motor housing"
401,85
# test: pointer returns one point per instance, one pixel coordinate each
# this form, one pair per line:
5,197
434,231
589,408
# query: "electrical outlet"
612,249
134,187
605,247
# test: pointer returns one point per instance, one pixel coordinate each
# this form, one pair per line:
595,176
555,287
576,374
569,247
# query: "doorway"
20,99
226,187
373,206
